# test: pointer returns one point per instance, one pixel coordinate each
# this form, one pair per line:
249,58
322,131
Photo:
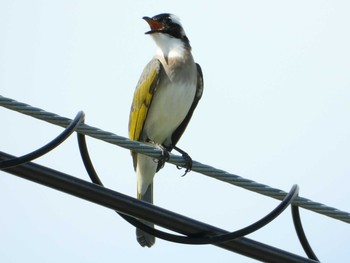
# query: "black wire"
301,234
128,205
206,238
87,161
46,148
202,238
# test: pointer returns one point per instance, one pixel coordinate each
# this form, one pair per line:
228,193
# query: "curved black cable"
48,147
200,238
301,234
87,160
207,238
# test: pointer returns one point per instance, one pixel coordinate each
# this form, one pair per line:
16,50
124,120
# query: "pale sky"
275,109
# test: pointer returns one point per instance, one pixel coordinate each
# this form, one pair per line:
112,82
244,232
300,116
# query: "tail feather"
144,238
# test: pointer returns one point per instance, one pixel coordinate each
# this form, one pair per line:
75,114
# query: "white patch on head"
175,19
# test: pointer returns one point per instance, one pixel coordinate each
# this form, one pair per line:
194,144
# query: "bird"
165,98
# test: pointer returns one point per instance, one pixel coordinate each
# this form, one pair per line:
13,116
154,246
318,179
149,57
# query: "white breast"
169,107
174,96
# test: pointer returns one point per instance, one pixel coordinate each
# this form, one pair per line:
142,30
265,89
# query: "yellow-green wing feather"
143,95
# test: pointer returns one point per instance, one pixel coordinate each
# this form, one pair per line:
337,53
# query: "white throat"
168,46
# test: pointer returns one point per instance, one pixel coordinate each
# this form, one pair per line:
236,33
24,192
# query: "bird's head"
167,28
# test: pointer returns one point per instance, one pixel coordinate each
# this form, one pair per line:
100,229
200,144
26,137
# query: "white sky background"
275,110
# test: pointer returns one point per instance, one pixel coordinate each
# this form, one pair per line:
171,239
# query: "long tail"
143,238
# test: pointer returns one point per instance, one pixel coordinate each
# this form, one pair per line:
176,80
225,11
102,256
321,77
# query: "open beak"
154,25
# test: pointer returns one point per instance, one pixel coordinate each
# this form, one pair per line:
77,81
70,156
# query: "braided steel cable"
174,159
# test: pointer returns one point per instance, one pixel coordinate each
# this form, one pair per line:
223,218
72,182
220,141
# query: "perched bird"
164,100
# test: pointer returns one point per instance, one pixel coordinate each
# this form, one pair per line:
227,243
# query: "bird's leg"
164,157
188,160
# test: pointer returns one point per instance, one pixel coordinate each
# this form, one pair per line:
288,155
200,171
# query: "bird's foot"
164,157
188,160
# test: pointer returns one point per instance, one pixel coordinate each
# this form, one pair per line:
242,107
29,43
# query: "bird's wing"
199,91
143,95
